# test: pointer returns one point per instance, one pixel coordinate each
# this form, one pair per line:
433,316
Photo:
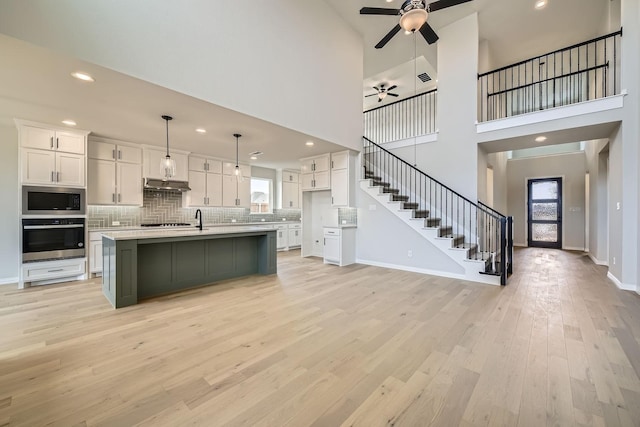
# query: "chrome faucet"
198,211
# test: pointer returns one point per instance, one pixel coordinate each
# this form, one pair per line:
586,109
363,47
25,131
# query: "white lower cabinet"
295,235
45,272
289,236
339,246
95,253
283,237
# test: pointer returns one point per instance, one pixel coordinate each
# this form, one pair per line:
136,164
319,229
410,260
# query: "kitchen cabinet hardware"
57,176
55,270
113,154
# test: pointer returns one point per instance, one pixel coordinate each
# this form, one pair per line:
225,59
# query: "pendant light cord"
166,120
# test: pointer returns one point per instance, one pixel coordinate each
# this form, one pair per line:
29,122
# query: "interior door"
545,213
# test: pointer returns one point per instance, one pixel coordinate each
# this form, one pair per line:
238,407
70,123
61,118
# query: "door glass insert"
544,190
544,211
545,232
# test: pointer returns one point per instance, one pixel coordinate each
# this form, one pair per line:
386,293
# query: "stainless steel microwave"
52,201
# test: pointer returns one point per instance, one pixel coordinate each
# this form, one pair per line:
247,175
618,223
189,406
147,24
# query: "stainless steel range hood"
158,184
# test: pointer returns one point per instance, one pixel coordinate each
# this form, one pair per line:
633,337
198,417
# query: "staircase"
475,236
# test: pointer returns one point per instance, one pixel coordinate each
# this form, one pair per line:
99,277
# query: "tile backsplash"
163,206
348,216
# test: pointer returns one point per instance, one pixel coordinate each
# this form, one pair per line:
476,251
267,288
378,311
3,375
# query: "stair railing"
479,229
577,73
506,222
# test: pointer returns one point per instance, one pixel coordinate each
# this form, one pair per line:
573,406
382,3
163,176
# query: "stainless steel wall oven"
52,238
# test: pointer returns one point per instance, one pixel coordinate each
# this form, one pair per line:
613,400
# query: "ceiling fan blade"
443,4
376,88
373,94
388,37
392,88
378,11
392,94
429,35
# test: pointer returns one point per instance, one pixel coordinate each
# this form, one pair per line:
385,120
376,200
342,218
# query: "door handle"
52,143
57,143
55,270
53,177
113,154
57,176
119,155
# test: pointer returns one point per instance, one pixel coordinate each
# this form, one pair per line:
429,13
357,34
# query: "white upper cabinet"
342,179
52,156
115,173
55,140
315,173
205,181
113,151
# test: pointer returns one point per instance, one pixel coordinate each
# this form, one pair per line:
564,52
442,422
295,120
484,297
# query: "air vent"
424,77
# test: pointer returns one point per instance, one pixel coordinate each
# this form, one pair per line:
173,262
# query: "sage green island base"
143,264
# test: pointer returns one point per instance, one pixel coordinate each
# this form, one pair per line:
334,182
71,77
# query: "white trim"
9,280
409,142
414,269
571,248
520,244
619,284
563,112
596,261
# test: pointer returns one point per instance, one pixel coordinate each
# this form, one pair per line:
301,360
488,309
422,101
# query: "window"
261,195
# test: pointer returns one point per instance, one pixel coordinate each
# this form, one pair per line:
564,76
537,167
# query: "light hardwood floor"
327,346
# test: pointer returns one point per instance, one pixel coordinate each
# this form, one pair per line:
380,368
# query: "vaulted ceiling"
513,29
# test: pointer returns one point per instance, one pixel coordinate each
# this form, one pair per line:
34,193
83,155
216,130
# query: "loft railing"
585,71
407,118
485,232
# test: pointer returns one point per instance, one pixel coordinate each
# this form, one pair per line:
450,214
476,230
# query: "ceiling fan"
382,92
413,17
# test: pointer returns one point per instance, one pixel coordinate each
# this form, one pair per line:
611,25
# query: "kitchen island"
140,264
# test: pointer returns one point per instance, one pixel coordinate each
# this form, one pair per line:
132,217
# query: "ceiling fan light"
413,20
382,95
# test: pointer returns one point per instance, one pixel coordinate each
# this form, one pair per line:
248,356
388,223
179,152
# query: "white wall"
625,153
275,63
597,157
498,161
382,238
572,168
9,214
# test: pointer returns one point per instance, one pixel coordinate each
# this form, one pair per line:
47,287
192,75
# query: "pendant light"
237,171
167,165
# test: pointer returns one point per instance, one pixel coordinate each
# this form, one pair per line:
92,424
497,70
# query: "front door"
545,213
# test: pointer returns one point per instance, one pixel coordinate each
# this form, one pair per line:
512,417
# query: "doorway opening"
544,216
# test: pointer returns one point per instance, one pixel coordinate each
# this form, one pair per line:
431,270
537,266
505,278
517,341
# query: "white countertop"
159,233
232,224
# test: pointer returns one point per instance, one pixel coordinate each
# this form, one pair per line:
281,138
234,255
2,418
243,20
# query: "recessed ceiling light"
309,143
389,1
540,4
83,76
253,158
69,122
200,130
541,139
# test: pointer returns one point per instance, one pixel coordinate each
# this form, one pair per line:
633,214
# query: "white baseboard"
619,284
596,261
413,269
571,248
9,280
520,245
